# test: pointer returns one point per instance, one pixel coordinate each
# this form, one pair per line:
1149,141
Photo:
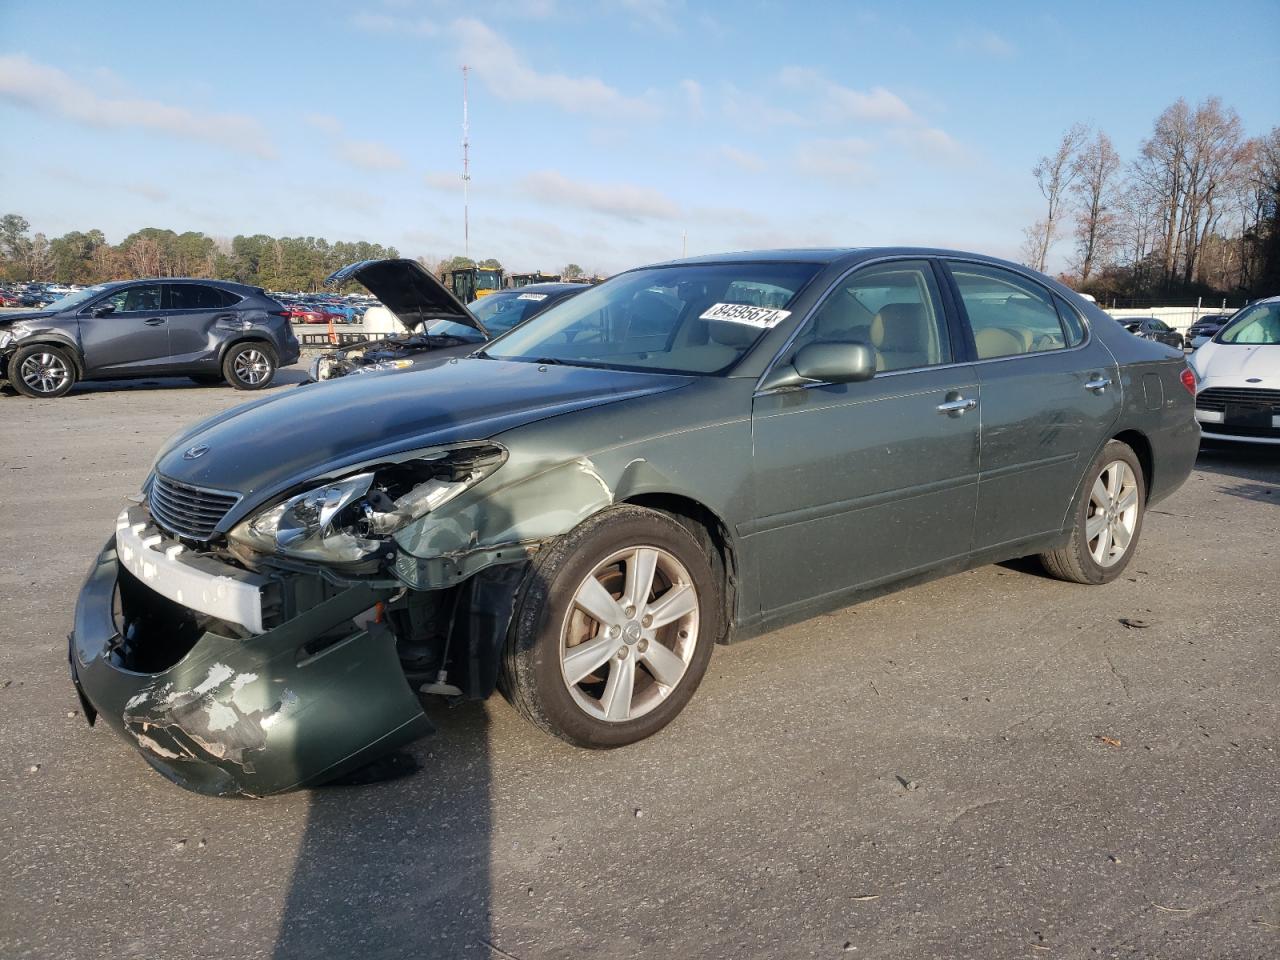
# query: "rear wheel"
1108,519
614,629
249,366
41,371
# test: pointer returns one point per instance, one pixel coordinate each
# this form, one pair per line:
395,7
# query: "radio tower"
466,169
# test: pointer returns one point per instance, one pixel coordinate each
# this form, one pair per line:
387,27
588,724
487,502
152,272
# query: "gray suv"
209,330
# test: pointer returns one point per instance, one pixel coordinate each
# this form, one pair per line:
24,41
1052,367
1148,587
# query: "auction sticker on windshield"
532,296
762,317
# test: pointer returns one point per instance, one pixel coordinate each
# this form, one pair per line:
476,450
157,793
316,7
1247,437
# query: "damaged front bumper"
312,697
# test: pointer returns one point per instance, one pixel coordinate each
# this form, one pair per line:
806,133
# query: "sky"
608,134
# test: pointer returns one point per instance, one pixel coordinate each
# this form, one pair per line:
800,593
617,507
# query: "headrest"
996,342
732,334
898,326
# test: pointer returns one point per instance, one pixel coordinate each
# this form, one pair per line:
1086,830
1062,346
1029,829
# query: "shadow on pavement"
286,377
1247,471
400,869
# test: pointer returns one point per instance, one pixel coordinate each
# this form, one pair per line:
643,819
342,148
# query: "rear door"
194,312
858,484
1050,394
132,337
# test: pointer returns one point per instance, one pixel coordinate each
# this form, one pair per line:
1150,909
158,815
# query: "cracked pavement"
1081,788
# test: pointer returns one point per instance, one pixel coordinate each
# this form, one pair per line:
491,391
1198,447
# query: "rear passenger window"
1071,322
1009,315
195,296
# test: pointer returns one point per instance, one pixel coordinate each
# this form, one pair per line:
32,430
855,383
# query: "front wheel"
41,371
249,366
1108,519
614,629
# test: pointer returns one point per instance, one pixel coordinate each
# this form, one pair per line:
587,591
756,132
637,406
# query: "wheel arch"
712,531
67,346
254,338
1140,444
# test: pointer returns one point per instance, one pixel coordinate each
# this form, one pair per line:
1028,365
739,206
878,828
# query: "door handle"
957,407
1098,385
154,321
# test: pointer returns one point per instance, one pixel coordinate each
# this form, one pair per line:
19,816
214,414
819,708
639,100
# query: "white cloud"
370,155
742,159
49,90
843,158
838,103
693,94
928,142
364,154
508,77
659,14
621,200
387,23
324,122
441,180
986,43
754,112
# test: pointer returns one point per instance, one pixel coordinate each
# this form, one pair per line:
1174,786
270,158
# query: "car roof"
231,285
832,255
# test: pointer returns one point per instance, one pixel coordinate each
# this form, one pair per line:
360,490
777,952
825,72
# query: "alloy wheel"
629,634
252,367
1113,513
45,372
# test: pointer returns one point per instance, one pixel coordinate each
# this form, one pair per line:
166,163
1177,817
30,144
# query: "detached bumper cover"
275,712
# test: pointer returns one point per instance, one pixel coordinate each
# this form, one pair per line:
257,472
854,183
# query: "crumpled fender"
252,716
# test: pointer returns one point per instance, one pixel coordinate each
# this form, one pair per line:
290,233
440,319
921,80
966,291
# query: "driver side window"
134,300
891,307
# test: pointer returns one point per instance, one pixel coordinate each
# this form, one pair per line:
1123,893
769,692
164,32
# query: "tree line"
276,263
1196,213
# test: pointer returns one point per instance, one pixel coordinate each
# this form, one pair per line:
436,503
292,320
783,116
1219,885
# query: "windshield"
1259,324
77,298
488,280
696,318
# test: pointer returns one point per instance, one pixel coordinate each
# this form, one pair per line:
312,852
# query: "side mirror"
103,309
846,362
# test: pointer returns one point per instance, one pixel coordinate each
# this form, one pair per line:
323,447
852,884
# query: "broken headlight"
352,519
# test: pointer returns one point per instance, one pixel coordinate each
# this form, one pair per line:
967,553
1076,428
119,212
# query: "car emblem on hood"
196,452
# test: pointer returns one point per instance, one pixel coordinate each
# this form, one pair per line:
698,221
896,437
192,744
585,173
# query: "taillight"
1188,379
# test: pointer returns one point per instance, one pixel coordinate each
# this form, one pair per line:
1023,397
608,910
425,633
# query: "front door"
862,483
125,332
1049,397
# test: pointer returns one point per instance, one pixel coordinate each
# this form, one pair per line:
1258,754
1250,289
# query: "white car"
1238,377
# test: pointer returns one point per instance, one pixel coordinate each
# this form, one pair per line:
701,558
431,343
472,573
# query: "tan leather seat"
997,342
900,334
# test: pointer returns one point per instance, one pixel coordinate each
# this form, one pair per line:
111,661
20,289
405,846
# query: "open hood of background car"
408,290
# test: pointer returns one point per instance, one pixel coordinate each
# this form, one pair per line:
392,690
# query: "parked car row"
439,326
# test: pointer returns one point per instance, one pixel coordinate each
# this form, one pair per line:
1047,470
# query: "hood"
408,290
263,448
8,319
1228,361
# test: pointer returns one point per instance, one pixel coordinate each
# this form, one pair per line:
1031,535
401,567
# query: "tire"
208,379
41,371
550,623
1105,513
249,366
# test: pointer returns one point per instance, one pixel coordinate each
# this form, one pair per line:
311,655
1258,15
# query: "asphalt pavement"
990,765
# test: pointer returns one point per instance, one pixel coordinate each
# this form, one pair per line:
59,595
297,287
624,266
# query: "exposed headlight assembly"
353,519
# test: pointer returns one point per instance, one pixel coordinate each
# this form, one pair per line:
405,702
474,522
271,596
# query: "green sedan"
688,454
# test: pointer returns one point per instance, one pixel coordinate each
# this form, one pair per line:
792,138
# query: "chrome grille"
192,512
1217,398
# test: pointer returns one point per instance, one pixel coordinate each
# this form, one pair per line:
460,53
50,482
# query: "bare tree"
1054,175
1216,163
1095,169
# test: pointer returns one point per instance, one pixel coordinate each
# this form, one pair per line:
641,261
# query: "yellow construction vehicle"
472,283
